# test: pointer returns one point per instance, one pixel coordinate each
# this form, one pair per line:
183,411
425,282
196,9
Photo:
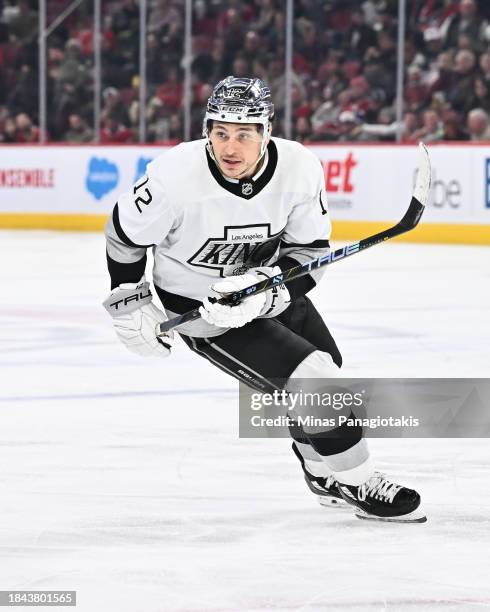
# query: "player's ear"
268,133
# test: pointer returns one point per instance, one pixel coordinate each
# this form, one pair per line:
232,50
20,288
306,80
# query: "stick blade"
422,184
420,193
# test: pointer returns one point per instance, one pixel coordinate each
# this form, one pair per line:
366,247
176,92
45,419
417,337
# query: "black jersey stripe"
121,233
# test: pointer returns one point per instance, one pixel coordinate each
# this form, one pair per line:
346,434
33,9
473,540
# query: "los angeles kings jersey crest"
203,227
241,248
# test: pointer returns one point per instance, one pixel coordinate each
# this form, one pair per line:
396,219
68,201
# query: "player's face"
236,148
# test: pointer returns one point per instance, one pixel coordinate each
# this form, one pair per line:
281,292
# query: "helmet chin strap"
254,165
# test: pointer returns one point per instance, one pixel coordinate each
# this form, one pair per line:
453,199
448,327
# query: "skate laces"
329,481
378,486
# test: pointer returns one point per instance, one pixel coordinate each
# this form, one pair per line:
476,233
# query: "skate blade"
332,502
412,517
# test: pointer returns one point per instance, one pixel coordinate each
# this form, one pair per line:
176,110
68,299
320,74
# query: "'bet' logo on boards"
339,174
340,177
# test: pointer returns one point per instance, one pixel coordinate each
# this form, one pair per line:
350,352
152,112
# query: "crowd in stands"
344,68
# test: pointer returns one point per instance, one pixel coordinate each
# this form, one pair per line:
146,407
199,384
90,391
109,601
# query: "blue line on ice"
30,398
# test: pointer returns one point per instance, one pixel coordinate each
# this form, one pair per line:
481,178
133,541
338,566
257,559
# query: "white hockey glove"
267,304
277,298
135,319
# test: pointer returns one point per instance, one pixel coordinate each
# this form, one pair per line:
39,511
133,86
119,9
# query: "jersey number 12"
140,199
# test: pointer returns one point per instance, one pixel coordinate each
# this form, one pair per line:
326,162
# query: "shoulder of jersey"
298,161
180,161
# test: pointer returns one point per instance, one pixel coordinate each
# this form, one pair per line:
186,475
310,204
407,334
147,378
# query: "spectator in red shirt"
25,131
113,132
172,91
360,93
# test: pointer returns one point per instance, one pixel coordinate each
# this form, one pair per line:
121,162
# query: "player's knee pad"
317,365
311,377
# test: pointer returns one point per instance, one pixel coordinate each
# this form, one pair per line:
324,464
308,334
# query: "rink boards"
369,186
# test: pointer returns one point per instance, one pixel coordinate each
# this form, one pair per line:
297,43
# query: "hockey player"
221,213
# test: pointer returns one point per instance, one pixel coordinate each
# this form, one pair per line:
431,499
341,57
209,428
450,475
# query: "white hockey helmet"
240,100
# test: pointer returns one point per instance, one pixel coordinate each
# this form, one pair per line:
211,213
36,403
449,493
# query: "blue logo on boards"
487,182
102,177
141,167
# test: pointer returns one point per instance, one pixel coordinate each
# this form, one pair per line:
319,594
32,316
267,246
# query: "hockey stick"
408,222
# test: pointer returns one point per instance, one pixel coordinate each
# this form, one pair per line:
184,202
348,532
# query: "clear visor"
244,133
227,117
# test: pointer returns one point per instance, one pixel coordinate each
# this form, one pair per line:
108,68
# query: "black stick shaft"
409,221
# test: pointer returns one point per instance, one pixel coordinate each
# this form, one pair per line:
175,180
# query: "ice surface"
124,479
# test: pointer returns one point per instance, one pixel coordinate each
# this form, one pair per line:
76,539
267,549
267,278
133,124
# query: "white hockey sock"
353,466
318,468
357,475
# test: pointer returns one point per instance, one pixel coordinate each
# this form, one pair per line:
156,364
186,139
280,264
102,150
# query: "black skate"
324,488
378,499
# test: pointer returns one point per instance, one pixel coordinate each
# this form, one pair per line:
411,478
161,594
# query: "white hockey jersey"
203,226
